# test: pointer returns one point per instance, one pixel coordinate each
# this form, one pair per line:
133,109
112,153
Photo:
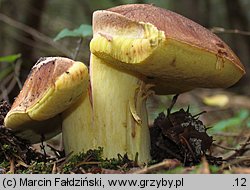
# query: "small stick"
172,103
240,151
43,147
58,153
226,134
54,169
12,166
79,43
236,161
162,165
64,160
241,170
229,31
205,167
224,147
198,114
17,67
87,163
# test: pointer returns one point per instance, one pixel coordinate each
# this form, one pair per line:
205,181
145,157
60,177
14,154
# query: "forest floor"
217,141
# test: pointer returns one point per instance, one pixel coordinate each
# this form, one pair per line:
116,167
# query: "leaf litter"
179,144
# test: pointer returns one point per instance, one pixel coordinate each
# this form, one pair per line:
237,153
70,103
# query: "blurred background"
28,29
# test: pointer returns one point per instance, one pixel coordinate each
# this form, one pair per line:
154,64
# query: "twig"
4,94
25,40
79,43
58,153
43,147
87,163
7,79
17,67
229,31
240,151
205,167
226,134
33,32
60,160
224,147
163,165
82,170
198,114
10,86
12,166
241,170
54,169
3,89
172,103
65,160
237,160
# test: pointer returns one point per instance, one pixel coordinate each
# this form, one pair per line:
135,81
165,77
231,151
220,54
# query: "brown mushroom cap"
53,84
169,50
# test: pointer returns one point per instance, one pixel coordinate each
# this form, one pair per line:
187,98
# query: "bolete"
138,49
52,86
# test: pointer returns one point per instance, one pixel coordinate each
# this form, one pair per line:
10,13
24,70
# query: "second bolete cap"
163,48
53,84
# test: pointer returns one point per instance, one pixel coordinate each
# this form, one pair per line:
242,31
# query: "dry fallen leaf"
219,100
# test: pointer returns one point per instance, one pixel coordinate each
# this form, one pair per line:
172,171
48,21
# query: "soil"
179,141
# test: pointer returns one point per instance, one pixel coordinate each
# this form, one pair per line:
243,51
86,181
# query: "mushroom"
53,85
137,50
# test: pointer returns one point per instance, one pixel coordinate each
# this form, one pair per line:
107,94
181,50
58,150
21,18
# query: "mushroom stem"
112,116
78,132
133,44
119,109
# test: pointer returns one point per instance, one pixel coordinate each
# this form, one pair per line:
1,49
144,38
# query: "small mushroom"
138,50
52,86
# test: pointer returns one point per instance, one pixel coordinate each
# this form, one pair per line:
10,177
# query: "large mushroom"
53,85
138,49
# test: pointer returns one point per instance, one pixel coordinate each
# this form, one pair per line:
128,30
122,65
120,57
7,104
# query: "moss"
93,159
40,167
